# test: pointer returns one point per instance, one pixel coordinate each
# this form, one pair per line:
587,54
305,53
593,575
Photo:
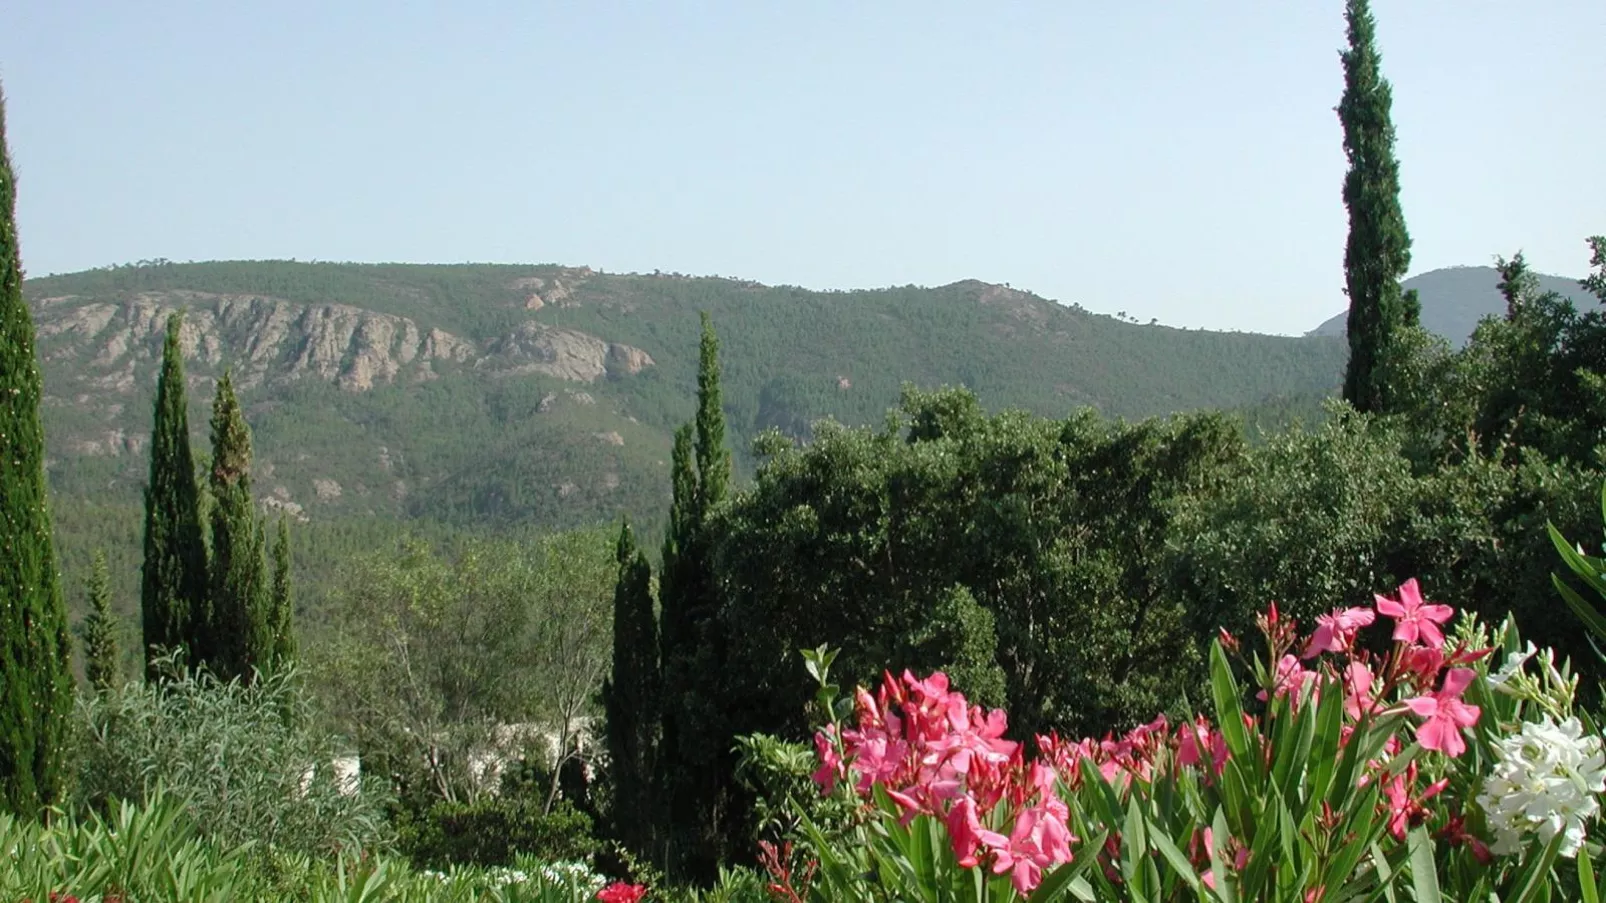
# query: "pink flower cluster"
1417,666
935,754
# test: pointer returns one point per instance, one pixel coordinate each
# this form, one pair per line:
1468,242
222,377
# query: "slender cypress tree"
241,635
674,638
1378,252
173,601
693,763
35,655
713,458
631,697
281,611
101,667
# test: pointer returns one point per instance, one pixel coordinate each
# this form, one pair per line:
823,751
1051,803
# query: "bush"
151,852
246,761
494,831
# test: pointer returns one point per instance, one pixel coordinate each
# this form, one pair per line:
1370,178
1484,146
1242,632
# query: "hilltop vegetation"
484,397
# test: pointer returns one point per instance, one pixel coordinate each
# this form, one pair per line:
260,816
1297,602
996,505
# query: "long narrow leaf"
1424,871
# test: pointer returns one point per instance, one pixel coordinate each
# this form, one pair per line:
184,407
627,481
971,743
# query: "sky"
1174,160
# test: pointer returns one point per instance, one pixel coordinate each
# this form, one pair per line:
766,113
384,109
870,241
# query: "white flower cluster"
575,876
1545,782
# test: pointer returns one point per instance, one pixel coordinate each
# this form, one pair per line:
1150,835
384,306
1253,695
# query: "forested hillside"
487,396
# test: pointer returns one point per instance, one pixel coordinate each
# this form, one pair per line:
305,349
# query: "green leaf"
1218,865
1424,871
1134,851
1583,610
1174,857
1535,875
1225,693
1586,878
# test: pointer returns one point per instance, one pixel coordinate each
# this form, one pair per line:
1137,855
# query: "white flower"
1545,782
1512,666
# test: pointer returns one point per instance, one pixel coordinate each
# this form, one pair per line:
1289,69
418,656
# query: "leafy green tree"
174,604
431,656
35,675
633,698
1596,282
281,610
100,632
241,637
1378,252
960,638
1025,556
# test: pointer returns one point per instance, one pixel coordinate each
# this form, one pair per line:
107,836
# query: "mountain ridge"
1455,298
549,394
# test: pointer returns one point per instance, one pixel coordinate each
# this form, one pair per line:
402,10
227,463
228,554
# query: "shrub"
1353,773
246,761
493,831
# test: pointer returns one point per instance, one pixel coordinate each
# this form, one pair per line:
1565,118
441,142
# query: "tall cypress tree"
694,761
173,601
281,608
35,657
631,697
101,667
674,640
241,635
713,458
1378,252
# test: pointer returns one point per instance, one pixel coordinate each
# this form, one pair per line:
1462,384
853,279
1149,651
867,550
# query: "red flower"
620,892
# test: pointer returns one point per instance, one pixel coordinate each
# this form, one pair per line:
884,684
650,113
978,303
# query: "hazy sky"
1176,159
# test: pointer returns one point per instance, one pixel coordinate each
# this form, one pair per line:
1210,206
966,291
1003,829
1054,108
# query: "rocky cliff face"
113,346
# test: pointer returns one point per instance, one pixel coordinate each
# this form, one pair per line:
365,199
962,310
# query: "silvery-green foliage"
248,762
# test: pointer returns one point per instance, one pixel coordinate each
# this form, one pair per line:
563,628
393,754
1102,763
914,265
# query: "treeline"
1074,569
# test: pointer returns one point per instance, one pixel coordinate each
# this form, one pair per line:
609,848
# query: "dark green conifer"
35,655
174,608
241,635
101,667
713,458
631,698
1378,252
281,611
693,765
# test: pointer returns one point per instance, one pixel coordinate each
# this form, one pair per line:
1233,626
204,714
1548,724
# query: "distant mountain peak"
1455,298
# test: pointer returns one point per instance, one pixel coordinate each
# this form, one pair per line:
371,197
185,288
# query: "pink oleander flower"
1291,676
967,835
1240,856
830,762
1336,632
1446,714
1358,681
1040,840
1199,744
1406,811
1415,620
